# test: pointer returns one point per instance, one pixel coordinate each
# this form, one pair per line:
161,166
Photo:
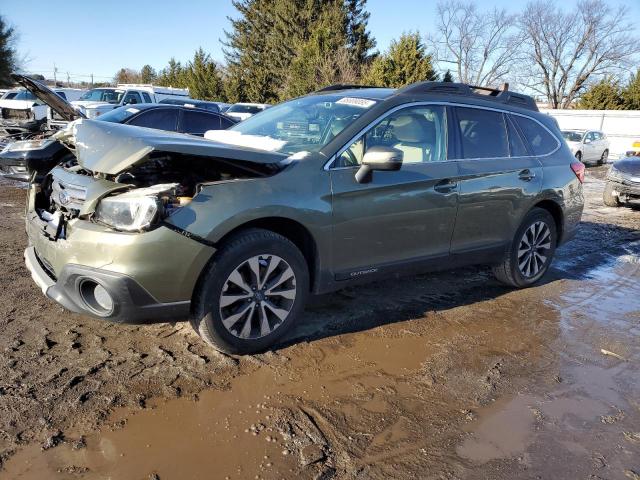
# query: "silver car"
588,145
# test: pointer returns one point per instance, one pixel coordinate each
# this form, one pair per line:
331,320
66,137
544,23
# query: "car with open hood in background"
19,160
623,179
24,114
344,185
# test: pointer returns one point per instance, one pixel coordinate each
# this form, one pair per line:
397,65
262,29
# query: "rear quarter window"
539,139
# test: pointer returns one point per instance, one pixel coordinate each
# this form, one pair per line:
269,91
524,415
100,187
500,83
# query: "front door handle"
526,175
445,186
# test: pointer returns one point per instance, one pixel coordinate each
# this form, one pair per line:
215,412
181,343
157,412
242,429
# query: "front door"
398,216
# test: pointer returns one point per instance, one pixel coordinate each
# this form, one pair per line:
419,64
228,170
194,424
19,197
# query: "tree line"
278,49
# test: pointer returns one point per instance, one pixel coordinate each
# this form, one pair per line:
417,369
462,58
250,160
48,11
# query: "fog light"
96,297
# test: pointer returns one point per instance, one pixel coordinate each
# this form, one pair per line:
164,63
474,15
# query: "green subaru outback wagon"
347,184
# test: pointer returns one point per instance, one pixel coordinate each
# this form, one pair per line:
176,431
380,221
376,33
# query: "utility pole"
92,80
55,71
68,82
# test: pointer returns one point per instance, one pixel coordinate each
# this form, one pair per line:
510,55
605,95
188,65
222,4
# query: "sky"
82,37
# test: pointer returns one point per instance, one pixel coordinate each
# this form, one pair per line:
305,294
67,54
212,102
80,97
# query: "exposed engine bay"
162,182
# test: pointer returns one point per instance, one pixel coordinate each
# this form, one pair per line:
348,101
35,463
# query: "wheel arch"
292,230
555,210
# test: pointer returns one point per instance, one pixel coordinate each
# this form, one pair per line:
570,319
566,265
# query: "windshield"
302,125
244,109
118,115
108,95
24,95
572,136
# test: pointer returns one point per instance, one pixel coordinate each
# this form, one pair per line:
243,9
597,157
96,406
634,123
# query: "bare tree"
563,51
479,47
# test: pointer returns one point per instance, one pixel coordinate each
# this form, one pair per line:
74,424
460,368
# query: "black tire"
508,271
206,317
609,199
579,156
603,158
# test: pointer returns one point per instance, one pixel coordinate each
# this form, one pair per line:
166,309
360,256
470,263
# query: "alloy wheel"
533,249
258,296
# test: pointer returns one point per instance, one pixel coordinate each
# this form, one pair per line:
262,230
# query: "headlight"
92,113
614,174
135,210
23,145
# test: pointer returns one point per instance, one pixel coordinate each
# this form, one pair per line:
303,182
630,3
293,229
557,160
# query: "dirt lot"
444,376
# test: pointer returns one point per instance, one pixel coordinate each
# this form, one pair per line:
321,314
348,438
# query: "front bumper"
131,302
629,189
149,276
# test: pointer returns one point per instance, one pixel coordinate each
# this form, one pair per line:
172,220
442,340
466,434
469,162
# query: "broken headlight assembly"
138,209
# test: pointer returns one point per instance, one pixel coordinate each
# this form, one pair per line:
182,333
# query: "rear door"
398,216
499,178
197,123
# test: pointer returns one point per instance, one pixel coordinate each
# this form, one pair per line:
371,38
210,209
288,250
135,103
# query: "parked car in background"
98,101
224,106
588,145
190,102
8,94
242,111
20,159
25,114
236,230
623,179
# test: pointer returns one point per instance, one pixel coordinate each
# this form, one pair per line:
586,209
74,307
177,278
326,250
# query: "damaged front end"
99,224
131,179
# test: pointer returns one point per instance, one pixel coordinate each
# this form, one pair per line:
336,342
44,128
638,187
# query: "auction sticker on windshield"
356,102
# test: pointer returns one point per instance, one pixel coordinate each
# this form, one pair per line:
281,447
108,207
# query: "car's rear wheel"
252,292
531,251
608,197
604,157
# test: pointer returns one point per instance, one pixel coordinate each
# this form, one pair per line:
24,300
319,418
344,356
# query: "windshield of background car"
305,124
25,95
118,115
244,109
103,95
572,136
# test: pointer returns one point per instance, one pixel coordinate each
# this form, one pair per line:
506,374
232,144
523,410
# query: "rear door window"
483,133
146,96
196,123
132,98
539,139
160,118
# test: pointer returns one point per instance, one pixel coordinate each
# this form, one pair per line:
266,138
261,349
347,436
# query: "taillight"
578,169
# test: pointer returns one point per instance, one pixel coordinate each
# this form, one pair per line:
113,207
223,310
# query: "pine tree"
203,77
147,74
172,75
447,76
604,95
7,53
631,93
406,61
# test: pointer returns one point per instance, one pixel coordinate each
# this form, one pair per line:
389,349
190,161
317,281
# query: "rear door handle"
445,186
526,175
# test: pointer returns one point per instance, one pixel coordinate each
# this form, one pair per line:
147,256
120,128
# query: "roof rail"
343,86
502,95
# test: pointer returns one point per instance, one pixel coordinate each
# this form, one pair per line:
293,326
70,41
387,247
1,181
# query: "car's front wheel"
609,198
604,157
530,252
252,292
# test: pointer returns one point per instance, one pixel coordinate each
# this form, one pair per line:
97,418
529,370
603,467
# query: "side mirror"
385,159
587,140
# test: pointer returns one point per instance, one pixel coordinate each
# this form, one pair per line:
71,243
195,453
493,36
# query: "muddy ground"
446,375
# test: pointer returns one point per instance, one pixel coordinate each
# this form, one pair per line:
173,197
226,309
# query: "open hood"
48,96
105,147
